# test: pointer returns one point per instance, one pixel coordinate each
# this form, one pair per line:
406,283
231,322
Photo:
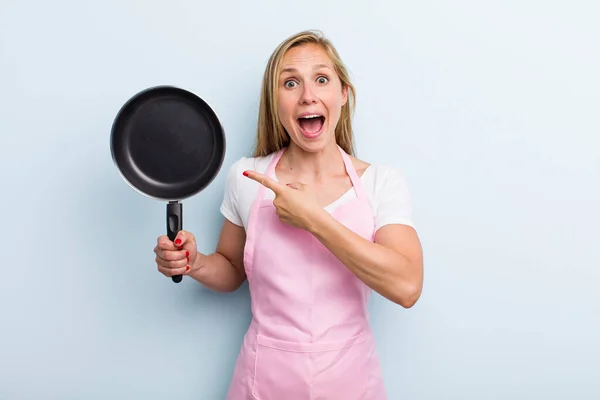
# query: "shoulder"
380,175
386,185
239,190
387,176
388,191
236,182
259,164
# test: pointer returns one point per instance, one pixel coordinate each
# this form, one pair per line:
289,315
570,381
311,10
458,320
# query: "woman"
313,229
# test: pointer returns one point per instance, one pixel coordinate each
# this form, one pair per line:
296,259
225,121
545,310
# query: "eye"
289,84
322,79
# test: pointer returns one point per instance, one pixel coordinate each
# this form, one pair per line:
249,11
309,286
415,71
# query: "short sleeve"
230,205
393,200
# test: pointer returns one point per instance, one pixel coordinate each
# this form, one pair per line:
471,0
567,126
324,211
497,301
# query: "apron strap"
354,178
270,172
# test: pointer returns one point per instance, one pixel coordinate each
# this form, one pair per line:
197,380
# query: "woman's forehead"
310,56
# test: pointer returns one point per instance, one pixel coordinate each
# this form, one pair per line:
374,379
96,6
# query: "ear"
344,95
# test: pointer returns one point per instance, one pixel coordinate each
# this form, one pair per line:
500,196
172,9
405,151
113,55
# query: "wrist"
199,262
317,221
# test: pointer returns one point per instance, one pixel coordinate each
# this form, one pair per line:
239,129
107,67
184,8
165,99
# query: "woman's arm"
392,266
223,270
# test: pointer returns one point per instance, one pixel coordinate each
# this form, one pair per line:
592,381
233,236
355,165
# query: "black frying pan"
168,144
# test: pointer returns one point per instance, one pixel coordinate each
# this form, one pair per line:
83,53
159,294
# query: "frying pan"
168,144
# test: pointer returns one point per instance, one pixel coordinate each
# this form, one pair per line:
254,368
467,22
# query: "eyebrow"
292,69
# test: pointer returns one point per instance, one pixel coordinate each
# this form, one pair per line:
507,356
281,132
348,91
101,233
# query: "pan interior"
169,144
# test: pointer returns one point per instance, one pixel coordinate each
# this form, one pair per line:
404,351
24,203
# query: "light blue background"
490,109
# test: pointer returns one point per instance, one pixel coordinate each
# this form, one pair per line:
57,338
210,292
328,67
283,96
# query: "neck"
313,166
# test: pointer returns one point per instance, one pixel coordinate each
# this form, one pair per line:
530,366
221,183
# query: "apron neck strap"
354,178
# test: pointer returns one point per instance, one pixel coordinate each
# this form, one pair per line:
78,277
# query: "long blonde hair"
271,135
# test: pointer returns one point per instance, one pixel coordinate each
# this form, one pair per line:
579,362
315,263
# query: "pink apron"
310,337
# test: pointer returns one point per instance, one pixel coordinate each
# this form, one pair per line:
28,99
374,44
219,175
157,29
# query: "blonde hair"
271,135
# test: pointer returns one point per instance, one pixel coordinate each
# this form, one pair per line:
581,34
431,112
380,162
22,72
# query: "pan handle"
174,225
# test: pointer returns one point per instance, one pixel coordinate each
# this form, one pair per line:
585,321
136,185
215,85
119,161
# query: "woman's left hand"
295,203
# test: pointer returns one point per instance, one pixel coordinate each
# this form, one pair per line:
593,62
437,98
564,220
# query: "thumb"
295,185
183,238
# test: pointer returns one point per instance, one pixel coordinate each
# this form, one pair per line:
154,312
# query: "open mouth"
311,125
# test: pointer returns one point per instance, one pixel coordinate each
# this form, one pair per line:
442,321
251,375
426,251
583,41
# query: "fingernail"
178,241
187,253
245,173
187,267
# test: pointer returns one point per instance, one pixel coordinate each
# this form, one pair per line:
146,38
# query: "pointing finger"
265,181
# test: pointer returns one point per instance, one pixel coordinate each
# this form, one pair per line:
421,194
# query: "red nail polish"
178,241
245,173
187,253
187,267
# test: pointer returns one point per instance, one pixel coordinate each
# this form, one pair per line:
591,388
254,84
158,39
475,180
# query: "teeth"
311,116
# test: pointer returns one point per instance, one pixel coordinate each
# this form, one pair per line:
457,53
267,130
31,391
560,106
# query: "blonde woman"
313,229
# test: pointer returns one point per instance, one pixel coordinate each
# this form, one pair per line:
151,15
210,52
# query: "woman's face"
310,97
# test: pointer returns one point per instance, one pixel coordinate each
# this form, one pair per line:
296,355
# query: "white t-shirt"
385,186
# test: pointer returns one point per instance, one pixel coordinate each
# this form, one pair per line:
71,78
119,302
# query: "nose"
308,96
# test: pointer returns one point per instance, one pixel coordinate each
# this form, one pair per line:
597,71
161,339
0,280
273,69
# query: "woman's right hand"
176,257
